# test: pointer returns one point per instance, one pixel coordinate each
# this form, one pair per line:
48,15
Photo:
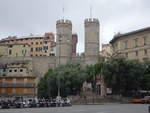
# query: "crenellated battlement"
91,20
62,21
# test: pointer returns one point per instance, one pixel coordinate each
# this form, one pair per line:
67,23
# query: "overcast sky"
22,17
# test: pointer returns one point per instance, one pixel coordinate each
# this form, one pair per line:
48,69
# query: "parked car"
41,103
32,103
146,99
136,100
67,102
19,104
53,103
47,103
4,104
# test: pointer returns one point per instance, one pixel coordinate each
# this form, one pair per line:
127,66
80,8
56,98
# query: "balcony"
17,85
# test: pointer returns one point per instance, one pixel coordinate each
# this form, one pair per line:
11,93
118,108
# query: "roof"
1,44
118,36
27,37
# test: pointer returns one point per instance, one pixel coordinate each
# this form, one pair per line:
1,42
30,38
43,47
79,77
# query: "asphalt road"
109,108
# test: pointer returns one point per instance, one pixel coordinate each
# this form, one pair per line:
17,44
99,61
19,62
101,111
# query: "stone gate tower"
63,41
91,41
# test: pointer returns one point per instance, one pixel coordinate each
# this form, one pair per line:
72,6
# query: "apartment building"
40,45
134,45
14,50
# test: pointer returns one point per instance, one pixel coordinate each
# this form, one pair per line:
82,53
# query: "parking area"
107,108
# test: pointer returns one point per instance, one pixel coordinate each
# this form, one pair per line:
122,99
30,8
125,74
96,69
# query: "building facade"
133,45
42,45
22,86
14,50
16,79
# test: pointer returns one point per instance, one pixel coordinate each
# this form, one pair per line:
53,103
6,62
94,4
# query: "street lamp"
58,78
59,61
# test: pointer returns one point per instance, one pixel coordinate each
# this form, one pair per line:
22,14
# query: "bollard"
148,109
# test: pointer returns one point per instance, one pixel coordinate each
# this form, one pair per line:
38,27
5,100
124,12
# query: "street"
108,108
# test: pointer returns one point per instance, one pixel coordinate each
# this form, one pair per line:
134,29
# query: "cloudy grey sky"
22,17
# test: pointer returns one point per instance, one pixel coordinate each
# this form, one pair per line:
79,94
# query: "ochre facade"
14,50
133,45
18,86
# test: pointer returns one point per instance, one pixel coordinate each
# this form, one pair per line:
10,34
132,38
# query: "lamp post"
60,36
58,78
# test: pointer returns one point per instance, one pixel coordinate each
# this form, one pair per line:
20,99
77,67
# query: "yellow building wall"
119,46
3,51
19,50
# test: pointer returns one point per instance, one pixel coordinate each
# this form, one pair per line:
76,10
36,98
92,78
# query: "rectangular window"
10,51
145,51
45,48
15,70
24,45
36,48
32,43
135,42
145,40
125,44
136,53
31,49
45,42
40,42
37,43
40,48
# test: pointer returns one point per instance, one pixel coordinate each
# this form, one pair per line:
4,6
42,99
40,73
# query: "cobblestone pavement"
109,108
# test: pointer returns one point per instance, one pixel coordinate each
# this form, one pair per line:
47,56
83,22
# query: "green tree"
92,71
146,78
123,75
71,79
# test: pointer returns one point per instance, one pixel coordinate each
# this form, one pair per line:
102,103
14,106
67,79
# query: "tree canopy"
122,75
71,79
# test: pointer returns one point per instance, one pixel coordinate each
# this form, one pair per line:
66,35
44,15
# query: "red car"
146,99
